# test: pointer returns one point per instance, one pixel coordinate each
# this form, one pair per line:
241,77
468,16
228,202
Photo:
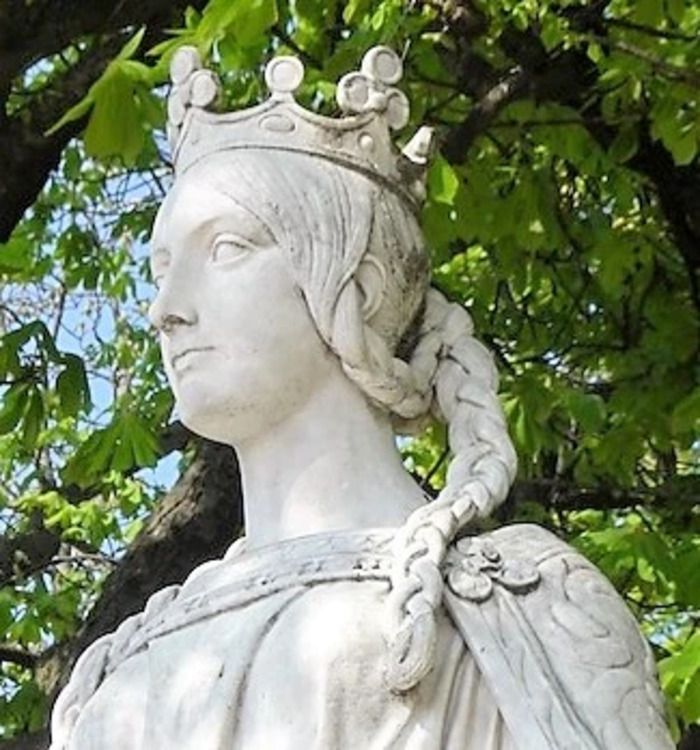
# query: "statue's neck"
331,465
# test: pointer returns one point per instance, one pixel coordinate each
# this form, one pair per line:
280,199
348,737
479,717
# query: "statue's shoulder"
563,654
96,663
106,653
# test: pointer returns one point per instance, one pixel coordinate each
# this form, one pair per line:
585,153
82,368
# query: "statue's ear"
371,280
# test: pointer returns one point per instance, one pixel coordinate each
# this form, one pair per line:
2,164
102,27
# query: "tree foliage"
562,210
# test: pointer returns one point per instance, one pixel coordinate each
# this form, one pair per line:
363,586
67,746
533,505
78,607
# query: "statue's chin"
201,412
203,429
224,421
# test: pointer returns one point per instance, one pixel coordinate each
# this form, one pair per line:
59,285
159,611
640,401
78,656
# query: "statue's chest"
289,655
297,668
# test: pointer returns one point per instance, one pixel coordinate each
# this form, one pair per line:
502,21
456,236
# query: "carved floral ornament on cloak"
420,635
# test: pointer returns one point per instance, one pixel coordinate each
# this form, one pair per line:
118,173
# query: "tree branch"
649,30
18,656
32,31
659,65
563,495
511,86
27,155
33,741
36,549
566,78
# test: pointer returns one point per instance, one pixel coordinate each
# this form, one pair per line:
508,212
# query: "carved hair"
351,242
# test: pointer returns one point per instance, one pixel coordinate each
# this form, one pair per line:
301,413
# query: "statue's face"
239,347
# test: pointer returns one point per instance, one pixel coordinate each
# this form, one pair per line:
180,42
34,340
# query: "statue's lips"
181,359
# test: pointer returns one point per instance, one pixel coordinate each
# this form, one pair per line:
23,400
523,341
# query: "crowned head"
336,202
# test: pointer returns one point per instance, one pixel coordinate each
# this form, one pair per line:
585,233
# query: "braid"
366,359
478,478
452,374
365,354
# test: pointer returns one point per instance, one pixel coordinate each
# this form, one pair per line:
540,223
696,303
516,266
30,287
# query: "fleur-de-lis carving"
371,89
192,86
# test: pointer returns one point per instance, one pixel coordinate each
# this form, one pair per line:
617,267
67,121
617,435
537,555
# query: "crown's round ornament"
284,75
204,88
184,63
382,64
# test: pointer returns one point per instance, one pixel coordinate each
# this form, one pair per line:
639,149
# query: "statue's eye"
229,247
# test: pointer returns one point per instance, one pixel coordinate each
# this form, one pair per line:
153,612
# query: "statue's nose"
169,310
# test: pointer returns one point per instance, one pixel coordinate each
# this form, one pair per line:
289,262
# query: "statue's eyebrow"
241,223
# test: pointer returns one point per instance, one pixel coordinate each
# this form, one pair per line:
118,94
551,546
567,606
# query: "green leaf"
13,404
74,113
690,702
648,12
257,17
16,255
683,665
123,456
131,47
443,182
245,21
72,387
151,107
84,105
33,419
132,530
115,127
686,414
36,330
143,442
553,31
676,10
625,144
92,458
685,148
354,10
587,409
8,603
595,52
72,163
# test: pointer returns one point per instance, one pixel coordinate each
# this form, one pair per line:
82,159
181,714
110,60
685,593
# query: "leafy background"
562,211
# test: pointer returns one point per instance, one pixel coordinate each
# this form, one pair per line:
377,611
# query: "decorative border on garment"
232,583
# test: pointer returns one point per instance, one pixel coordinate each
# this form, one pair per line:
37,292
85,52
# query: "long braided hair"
414,357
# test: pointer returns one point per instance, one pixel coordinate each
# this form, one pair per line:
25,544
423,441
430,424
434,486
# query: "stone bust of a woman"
298,324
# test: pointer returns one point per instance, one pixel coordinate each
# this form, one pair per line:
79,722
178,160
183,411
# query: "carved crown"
359,140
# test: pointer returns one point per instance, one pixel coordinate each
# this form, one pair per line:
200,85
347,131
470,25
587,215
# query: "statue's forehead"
197,199
193,199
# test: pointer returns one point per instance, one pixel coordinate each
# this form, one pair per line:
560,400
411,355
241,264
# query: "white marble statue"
298,325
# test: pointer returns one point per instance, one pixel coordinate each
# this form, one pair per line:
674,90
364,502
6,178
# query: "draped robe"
283,647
